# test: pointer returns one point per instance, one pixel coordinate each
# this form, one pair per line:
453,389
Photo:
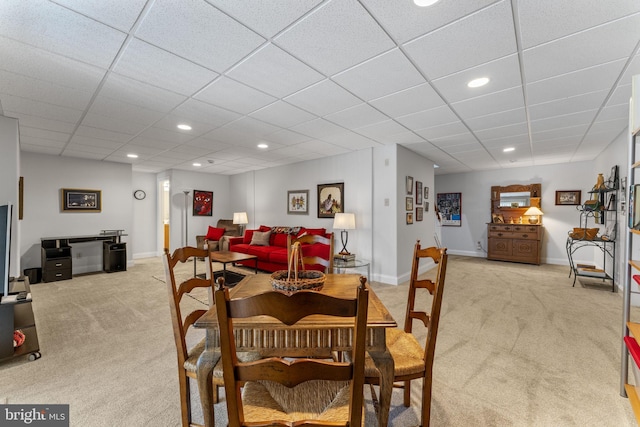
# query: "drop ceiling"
98,80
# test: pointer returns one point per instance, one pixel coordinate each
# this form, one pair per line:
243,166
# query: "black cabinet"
18,315
114,257
56,262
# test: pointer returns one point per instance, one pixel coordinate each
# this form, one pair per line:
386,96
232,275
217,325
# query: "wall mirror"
515,199
510,202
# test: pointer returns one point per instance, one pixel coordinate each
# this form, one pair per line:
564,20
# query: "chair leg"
216,393
426,400
185,400
407,393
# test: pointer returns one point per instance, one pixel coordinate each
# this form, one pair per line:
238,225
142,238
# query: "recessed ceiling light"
263,145
132,156
506,150
197,164
435,166
478,82
425,3
183,126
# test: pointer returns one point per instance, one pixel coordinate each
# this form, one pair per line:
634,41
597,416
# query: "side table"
340,264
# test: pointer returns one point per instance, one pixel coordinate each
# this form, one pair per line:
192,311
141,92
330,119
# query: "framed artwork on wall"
410,217
298,202
409,185
79,200
418,193
571,197
426,193
330,199
419,213
202,203
409,203
450,208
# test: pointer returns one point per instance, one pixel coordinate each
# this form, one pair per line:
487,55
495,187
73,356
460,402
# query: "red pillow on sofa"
316,231
248,235
214,233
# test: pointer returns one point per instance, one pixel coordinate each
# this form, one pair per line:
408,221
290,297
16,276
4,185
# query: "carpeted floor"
518,346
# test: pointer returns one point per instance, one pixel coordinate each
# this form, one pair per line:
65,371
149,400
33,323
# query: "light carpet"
518,346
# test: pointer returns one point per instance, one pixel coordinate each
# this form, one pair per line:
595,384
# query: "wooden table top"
228,256
338,285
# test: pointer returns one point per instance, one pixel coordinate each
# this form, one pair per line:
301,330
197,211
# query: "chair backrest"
311,257
289,310
435,288
178,287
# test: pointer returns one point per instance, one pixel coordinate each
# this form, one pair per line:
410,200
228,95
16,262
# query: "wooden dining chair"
279,391
187,356
312,256
411,359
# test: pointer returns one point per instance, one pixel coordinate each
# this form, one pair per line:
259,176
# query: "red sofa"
273,257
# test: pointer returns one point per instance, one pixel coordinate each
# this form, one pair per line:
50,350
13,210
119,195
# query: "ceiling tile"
234,96
494,102
585,49
558,122
474,40
121,15
559,18
40,109
323,98
335,37
114,124
198,111
282,114
559,107
380,76
195,29
157,67
46,25
358,116
318,128
417,98
116,109
141,94
450,130
405,21
266,18
275,72
43,91
428,118
503,118
381,130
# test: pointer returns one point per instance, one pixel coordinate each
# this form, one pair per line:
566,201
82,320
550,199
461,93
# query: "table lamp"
241,219
344,222
534,214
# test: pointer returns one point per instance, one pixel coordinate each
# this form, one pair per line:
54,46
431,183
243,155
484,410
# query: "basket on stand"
294,280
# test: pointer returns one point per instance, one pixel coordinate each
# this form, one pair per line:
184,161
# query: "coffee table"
226,257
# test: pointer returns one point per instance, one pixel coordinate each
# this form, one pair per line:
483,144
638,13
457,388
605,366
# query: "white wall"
44,177
9,175
143,234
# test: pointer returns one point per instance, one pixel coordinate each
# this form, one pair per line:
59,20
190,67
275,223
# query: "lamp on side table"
344,222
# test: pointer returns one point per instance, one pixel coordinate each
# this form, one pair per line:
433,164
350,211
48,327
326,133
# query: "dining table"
313,336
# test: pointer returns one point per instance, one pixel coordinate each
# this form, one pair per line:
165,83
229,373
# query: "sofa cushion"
248,235
215,233
260,238
264,228
279,256
279,239
262,252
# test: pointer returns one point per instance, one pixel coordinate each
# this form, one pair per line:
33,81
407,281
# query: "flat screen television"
6,212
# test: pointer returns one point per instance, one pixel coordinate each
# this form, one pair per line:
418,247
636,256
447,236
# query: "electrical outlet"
478,246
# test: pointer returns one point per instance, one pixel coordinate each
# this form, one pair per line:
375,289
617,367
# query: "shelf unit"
631,330
607,216
16,315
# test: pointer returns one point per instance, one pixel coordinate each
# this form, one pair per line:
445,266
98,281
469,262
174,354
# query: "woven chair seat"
191,363
407,353
312,400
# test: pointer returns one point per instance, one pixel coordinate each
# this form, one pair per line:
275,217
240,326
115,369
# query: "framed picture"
298,202
426,206
409,203
77,200
409,185
419,213
612,180
418,193
450,208
426,193
410,217
568,197
330,199
202,203
497,218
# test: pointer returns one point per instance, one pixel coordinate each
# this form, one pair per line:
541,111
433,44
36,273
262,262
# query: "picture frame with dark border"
409,203
568,197
298,202
418,193
426,193
410,217
202,203
330,199
80,200
409,183
419,213
450,209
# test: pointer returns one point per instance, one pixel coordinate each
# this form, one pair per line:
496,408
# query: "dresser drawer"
500,227
57,264
525,235
55,275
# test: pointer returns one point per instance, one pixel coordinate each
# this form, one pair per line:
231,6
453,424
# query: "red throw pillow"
215,233
316,231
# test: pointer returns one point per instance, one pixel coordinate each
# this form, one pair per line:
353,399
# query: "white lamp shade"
240,218
533,211
344,221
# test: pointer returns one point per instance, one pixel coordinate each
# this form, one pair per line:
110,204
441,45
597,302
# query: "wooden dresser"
515,242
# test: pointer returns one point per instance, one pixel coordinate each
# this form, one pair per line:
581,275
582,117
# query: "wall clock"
139,194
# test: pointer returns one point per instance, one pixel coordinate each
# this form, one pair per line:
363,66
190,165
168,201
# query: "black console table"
17,314
56,254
